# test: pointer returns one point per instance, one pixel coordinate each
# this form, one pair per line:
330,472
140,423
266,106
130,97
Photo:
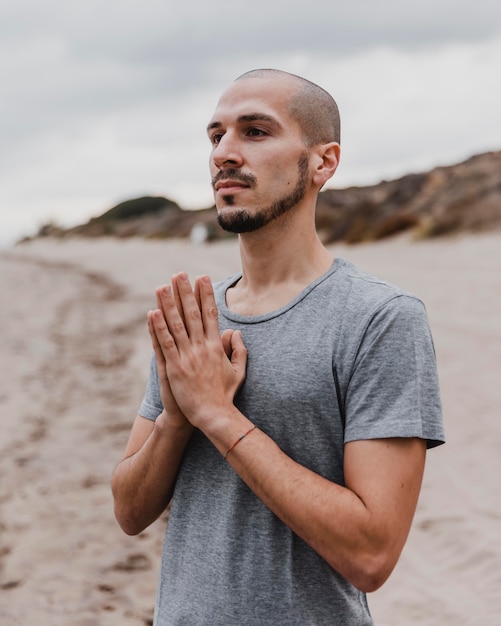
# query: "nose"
226,152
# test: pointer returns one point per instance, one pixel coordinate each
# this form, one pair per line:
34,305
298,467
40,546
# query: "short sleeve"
152,406
393,389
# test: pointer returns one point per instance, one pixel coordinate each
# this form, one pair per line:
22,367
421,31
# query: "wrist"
238,440
224,427
169,424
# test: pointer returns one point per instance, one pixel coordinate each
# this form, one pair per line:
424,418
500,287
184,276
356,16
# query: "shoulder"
373,312
367,294
366,285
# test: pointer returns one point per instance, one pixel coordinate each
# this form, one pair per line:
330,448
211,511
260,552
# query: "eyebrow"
249,117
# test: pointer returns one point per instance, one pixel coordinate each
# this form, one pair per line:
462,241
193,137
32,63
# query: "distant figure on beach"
289,407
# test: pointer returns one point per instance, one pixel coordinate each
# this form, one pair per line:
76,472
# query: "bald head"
310,106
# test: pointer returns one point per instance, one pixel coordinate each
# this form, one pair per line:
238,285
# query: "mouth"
229,186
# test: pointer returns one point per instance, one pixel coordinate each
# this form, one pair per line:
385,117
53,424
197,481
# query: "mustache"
234,174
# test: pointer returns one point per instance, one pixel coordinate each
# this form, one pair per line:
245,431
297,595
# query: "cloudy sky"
106,100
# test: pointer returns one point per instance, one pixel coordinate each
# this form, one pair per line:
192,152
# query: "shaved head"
313,108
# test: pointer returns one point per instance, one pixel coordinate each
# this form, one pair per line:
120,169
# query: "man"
288,411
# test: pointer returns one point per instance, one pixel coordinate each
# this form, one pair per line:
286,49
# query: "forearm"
328,517
304,501
143,482
359,532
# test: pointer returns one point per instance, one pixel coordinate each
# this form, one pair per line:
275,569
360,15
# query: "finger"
238,355
151,329
177,300
238,351
158,294
160,336
170,316
156,346
190,306
226,341
208,307
196,291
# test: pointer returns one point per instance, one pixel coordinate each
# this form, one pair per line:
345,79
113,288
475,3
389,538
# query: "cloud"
105,100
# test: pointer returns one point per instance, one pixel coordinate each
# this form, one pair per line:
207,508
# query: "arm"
359,528
143,482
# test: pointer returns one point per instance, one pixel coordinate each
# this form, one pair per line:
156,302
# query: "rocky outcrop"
443,201
446,200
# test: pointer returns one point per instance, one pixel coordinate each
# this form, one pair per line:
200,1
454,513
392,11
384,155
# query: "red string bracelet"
238,441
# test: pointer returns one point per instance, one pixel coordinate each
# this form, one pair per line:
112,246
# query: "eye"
256,132
215,138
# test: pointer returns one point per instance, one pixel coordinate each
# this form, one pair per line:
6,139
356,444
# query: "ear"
325,161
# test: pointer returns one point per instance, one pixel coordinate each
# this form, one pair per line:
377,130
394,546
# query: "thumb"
226,341
238,353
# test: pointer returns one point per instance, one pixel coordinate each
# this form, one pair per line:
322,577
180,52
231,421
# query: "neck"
277,259
278,262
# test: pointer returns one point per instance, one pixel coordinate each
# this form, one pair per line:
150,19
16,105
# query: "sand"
74,361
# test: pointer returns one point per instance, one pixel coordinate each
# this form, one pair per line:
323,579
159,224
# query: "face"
259,164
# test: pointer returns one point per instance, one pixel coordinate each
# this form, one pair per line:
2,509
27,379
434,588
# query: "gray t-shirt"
227,559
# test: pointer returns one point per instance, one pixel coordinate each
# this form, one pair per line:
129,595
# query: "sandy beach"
74,361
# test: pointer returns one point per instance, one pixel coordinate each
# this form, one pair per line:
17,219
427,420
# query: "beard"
242,221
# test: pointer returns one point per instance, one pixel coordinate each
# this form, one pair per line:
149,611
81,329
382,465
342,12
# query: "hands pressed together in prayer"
199,370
